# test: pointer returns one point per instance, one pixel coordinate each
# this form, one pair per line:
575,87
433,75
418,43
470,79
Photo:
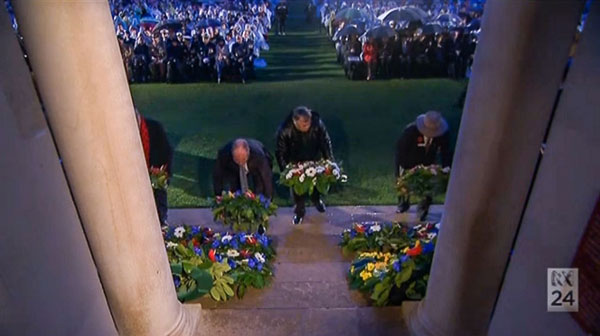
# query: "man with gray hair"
242,164
303,137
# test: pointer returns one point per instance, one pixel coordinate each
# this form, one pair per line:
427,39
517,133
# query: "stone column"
517,73
78,69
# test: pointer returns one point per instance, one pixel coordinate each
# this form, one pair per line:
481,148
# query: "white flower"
226,239
289,175
171,245
311,172
179,231
260,257
376,228
433,171
446,170
302,177
231,253
344,178
320,170
336,173
430,236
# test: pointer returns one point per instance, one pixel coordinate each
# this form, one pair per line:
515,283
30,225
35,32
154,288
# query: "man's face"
240,156
302,124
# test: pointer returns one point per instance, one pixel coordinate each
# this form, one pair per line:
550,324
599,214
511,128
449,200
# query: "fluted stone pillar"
517,72
77,65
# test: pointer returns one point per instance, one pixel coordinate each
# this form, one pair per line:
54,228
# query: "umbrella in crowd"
448,20
169,25
347,31
148,22
432,28
349,14
401,14
209,23
380,32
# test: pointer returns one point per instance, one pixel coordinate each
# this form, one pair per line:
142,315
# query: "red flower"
251,240
359,228
211,255
415,251
328,170
219,199
245,253
249,194
195,242
297,173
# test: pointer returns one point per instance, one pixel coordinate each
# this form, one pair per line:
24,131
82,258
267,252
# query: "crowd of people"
439,43
183,41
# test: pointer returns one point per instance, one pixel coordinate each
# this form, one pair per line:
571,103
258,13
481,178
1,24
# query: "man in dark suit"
243,163
159,154
303,137
420,144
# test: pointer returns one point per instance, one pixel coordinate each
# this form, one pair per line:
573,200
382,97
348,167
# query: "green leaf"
241,291
228,290
204,281
259,281
176,269
214,293
187,266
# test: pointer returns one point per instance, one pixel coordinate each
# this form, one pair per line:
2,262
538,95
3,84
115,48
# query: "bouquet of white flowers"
304,177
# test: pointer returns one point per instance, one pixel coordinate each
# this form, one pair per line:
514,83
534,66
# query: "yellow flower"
370,267
352,270
365,275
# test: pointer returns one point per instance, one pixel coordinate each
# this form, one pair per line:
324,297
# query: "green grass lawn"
364,119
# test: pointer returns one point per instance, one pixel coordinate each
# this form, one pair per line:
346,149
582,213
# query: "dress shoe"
297,220
320,206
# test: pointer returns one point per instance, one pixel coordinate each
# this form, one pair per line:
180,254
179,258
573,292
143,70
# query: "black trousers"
280,25
300,202
160,197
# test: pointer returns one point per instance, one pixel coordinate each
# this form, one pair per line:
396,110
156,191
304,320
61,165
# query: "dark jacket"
294,146
411,150
161,152
226,174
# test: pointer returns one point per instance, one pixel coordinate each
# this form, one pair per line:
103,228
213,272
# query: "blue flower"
263,240
428,247
259,266
404,258
397,266
353,233
251,263
238,193
231,263
198,251
195,230
234,244
216,243
219,257
177,281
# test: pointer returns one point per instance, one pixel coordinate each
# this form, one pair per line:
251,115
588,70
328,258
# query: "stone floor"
309,294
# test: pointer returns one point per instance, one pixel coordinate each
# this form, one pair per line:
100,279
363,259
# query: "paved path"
309,294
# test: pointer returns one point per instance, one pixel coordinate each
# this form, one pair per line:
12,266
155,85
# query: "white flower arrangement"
171,245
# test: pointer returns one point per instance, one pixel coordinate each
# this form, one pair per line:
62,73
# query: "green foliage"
159,178
243,212
374,237
422,181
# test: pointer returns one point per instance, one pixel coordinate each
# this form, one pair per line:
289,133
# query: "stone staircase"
309,294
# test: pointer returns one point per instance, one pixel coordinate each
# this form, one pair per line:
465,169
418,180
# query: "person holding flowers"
420,144
159,158
303,137
243,163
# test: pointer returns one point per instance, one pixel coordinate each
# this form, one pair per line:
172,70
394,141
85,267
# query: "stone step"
304,321
294,294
